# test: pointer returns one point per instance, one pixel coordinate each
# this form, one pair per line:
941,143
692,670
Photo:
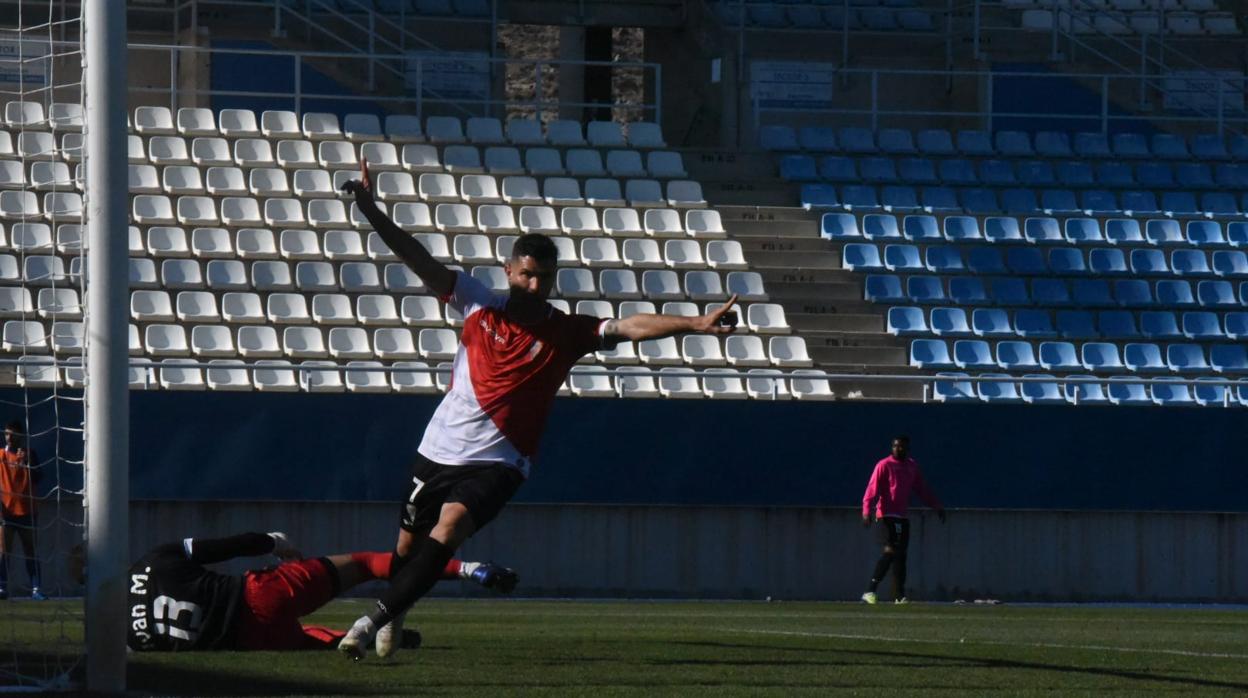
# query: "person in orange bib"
18,475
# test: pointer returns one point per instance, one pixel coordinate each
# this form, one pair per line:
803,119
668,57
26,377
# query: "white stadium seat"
371,309
323,214
641,253
411,381
562,191
420,311
197,306
150,306
65,116
165,340
721,387
701,350
538,219
320,377
521,190
479,189
404,128
643,134
287,309
293,154
148,121
683,254
168,150
211,152
381,157
312,184
600,252
437,344
238,123
661,285
319,126
303,342
583,385
226,275
274,376
418,157
394,343
636,381
621,222
227,374
212,341
366,377
344,245
746,284
335,309
276,124
197,210
766,318
788,351
704,223
810,385
242,308
745,350
453,218
255,243
663,222
167,241
575,283
680,383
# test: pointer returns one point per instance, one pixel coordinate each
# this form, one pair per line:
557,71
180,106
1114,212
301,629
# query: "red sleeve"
873,489
925,491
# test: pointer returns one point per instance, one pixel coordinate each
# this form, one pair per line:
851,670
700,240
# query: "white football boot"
390,636
358,638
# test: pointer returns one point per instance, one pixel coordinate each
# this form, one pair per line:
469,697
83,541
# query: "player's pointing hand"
718,321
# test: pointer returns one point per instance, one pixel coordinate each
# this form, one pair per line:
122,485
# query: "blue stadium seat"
1107,260
1013,355
1067,261
1148,262
1230,176
819,196
1050,293
961,228
997,173
916,21
1206,394
902,258
900,198
957,172
1059,201
920,228
837,168
1059,356
1143,357
1235,324
805,16
1237,234
1019,201
1209,146
1238,146
1075,174
1219,204
1010,291
1205,234
1123,231
1163,231
1114,174
1099,202
883,288
940,200
1076,324
966,290
1130,145
1170,394
985,260
880,19
936,141
1091,145
1202,325
1025,260
918,171
1176,293
1002,229
1083,231
997,391
839,226
1015,144
798,168
1230,263
778,139
859,198
857,140
1213,294
1186,358
1040,392
1084,392
856,256
1123,391
1190,263
817,139
769,16
1139,203
991,322
925,289
905,320
1117,324
943,259
975,143
1133,293
838,17
1042,230
930,353
1100,357
1241,393
1157,175
1033,324
1179,203
880,226
1228,358
1170,147
1092,293
1194,175
1159,324
950,322
1053,144
954,388
896,141
973,353
978,201
878,170
1034,173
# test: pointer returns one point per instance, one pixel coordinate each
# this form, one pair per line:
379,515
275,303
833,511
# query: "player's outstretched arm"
645,326
435,274
206,551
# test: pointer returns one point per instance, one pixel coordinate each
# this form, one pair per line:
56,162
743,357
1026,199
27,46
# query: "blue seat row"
1007,173
1014,144
1036,230
1056,293
770,15
1097,357
947,321
1119,390
981,201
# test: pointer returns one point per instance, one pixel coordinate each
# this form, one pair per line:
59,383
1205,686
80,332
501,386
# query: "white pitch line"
1050,645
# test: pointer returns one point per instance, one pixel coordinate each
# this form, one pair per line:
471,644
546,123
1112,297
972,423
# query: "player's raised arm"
645,326
435,274
206,551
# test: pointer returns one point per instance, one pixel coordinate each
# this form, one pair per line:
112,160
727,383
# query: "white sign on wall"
449,74
792,84
24,62
1197,90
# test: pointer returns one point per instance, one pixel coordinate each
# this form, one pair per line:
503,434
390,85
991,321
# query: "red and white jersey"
504,380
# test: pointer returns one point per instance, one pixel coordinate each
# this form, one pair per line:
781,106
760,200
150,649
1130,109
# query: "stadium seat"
878,170
997,391
991,322
1228,358
788,352
1159,324
943,259
1143,357
1210,395
1002,229
1040,392
420,158
1122,231
1214,294
925,289
68,116
957,171
905,320
1033,324
918,171
954,388
1124,391
295,154
896,141
884,289
857,140
1010,292
935,142
1042,231
1205,234
940,200
1190,263
1083,391
1025,260
1100,357
1058,356
975,143
1067,261
142,178
1230,263
1148,262
949,322
956,228
973,354
462,159
902,258
1171,292
1105,261
1036,174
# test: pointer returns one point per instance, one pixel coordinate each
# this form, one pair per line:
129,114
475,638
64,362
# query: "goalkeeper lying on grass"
177,604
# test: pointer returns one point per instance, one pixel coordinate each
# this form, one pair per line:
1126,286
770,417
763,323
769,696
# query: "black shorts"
894,532
482,489
23,521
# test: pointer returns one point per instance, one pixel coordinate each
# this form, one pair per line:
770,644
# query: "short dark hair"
541,248
903,438
16,427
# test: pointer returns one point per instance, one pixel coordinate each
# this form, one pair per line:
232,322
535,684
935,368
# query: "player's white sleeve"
469,295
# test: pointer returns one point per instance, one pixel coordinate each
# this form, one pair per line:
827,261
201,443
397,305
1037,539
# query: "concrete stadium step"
857,356
781,291
793,274
770,243
809,323
794,260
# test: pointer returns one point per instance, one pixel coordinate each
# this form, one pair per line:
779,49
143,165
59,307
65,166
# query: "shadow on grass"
181,678
924,660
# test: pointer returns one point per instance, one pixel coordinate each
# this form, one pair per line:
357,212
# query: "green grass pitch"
519,647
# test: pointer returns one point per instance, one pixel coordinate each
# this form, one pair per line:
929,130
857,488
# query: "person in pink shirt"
887,500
